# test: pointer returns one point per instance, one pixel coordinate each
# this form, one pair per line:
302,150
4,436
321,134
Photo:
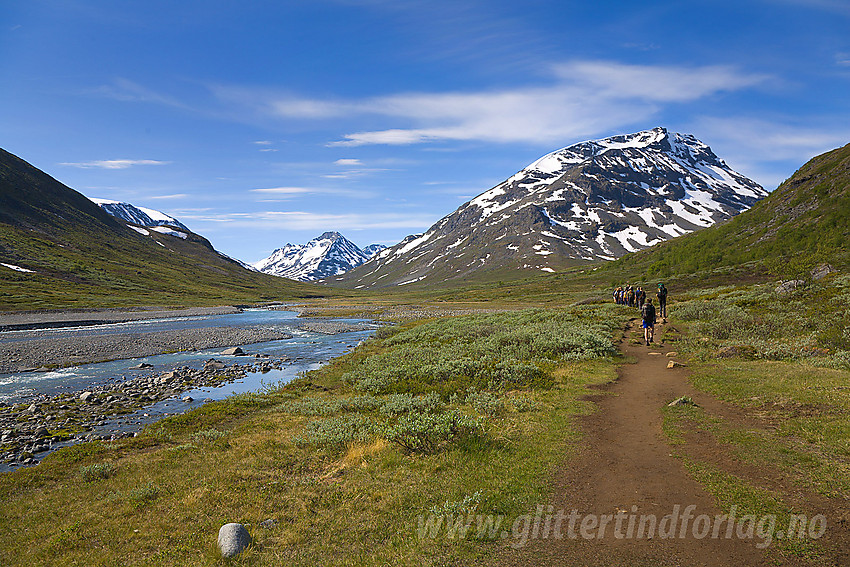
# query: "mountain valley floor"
455,416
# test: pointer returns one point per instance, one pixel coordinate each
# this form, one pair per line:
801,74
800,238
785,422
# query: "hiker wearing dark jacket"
662,301
648,316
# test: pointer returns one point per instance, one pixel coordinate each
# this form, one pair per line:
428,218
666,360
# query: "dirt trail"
626,465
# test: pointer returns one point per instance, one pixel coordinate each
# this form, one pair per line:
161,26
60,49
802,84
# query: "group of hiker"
636,297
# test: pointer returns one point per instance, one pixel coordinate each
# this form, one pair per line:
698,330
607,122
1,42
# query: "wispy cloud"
173,196
348,162
284,193
114,163
303,220
129,91
582,98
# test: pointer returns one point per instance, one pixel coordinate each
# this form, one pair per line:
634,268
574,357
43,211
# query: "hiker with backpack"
647,313
662,301
640,296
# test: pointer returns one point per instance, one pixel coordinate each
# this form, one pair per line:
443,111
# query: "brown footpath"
627,466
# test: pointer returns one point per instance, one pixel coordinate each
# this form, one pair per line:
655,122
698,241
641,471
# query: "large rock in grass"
232,539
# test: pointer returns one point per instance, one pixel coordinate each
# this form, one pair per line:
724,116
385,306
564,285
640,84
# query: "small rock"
143,365
232,539
821,271
188,399
268,524
786,287
86,396
32,409
214,365
672,354
683,401
674,364
234,351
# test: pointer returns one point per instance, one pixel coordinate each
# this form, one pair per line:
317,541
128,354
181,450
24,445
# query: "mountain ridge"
598,199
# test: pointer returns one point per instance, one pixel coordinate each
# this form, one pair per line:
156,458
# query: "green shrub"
428,433
497,350
98,471
405,403
142,496
485,403
338,432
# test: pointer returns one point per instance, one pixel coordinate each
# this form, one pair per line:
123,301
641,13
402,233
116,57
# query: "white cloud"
302,220
285,190
582,98
173,196
348,162
280,193
114,163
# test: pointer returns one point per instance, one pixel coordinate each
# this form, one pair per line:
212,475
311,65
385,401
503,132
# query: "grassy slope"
82,257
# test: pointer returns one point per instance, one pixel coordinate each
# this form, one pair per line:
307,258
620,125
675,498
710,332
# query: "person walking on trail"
641,297
647,313
662,301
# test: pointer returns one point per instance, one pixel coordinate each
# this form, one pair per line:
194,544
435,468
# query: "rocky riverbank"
36,351
29,430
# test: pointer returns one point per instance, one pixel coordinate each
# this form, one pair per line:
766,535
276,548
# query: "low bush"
97,471
397,404
485,403
428,433
336,433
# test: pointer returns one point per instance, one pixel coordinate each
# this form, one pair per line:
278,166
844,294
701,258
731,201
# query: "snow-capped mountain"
141,216
373,249
594,200
144,221
328,255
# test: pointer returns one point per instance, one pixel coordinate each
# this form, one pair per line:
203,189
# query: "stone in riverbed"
232,539
87,397
234,351
213,364
143,365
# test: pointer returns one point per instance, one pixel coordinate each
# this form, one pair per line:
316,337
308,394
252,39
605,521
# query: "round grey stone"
232,539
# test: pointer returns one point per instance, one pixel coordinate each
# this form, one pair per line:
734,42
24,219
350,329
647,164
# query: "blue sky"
262,123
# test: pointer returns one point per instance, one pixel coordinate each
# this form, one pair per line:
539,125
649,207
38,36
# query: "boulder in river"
87,397
233,351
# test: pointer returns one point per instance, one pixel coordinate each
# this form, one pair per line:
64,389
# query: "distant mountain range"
328,255
597,200
59,249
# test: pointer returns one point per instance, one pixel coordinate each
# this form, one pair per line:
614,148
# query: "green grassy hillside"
806,220
80,256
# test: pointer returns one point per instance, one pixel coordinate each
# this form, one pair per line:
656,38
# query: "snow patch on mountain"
141,216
